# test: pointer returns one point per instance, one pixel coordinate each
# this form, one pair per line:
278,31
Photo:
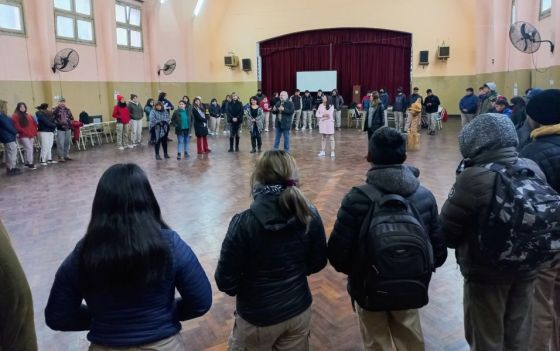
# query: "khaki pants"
10,155
136,131
466,118
297,117
388,330
173,343
123,134
266,118
498,316
399,120
338,118
290,335
546,326
27,144
307,119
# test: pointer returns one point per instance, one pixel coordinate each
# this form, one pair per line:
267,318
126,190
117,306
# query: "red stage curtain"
372,58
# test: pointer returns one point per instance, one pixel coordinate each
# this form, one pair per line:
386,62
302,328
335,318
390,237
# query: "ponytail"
294,202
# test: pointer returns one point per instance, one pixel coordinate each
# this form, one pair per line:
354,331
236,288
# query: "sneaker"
303,128
178,156
266,130
61,159
13,171
297,128
121,147
230,150
186,154
321,154
253,151
130,146
166,156
51,161
332,154
67,158
44,163
31,166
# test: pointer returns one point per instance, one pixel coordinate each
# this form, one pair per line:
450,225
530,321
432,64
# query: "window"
129,26
74,20
11,16
513,11
546,6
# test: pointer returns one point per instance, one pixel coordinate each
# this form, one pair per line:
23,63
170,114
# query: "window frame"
75,16
18,4
128,27
544,13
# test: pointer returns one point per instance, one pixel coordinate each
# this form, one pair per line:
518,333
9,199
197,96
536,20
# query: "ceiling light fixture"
198,6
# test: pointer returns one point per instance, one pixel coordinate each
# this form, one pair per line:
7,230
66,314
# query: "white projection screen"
316,80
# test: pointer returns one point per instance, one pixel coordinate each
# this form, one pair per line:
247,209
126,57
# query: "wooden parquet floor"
46,212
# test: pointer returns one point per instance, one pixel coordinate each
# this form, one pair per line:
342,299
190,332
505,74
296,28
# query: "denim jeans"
183,140
279,132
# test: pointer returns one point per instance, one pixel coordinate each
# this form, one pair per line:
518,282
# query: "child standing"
265,106
325,116
200,127
27,131
254,115
182,121
122,115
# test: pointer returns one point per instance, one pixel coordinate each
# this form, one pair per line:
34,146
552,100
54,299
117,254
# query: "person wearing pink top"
265,106
325,116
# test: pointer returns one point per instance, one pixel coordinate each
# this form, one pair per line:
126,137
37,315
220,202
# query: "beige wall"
476,31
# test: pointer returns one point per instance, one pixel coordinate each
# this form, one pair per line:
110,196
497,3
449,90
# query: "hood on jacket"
395,179
489,131
267,210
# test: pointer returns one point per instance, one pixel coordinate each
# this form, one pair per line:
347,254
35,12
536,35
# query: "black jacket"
394,179
545,151
284,119
434,101
235,110
200,122
46,121
377,120
273,103
297,101
265,260
7,130
318,100
467,207
307,103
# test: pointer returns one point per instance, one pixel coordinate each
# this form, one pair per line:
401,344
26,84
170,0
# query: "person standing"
273,102
285,110
487,98
415,96
384,98
136,114
254,115
266,256
16,314
497,302
296,100
544,118
414,115
63,118
182,121
122,115
224,108
167,105
8,134
147,111
502,106
200,126
235,118
374,117
468,106
260,96
214,112
325,116
431,104
265,107
120,282
399,109
394,319
337,101
307,110
159,123
46,132
411,100
27,131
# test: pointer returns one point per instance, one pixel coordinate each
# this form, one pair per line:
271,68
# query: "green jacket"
176,120
17,328
486,104
136,111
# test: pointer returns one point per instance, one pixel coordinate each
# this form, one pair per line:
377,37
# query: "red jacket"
121,114
265,106
30,131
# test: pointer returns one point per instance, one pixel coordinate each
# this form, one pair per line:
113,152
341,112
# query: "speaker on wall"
246,64
424,57
443,52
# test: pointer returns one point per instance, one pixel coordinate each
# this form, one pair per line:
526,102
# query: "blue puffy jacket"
469,103
7,130
130,319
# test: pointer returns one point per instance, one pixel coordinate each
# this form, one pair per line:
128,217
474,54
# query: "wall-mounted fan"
526,38
65,60
167,68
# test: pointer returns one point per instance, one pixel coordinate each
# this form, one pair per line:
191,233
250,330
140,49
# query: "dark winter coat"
200,122
401,103
469,103
138,317
391,179
467,206
434,102
214,110
307,103
235,110
176,120
265,260
337,101
377,120
284,119
8,131
545,151
46,121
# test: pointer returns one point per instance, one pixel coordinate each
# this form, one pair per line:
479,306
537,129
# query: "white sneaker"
303,128
130,146
332,154
266,130
121,148
321,154
297,128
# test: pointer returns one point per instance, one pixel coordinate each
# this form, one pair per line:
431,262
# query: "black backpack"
522,230
395,261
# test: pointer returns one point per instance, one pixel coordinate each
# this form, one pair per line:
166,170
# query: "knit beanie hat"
387,147
120,98
544,108
489,131
491,86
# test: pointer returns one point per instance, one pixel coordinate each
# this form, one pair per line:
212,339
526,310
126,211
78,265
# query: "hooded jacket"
265,259
121,114
7,130
545,151
389,179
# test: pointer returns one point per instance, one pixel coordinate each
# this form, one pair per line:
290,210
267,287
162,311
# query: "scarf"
545,130
260,189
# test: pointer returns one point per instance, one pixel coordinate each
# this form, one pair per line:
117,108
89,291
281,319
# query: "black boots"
236,143
230,144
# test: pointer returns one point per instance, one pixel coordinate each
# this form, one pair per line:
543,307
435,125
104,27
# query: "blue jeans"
279,132
183,140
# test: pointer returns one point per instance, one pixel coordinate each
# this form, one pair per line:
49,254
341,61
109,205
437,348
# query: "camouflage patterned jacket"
468,206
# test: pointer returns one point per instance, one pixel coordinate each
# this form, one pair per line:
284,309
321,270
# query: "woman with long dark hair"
267,254
27,131
326,120
224,108
200,126
159,125
126,268
255,115
147,110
